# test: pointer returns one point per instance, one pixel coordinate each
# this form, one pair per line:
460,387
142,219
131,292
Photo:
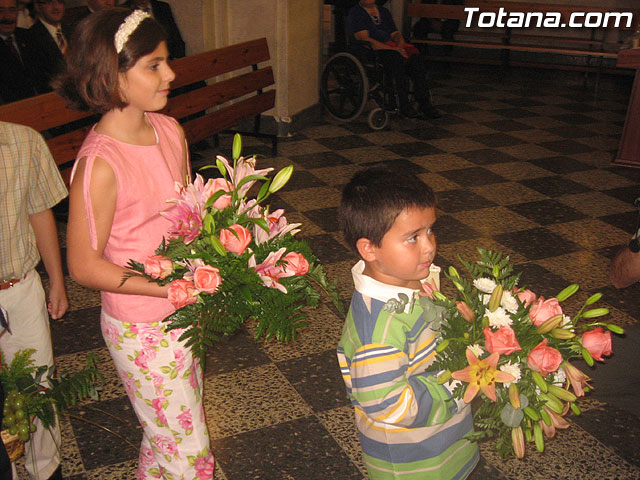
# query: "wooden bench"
599,44
235,93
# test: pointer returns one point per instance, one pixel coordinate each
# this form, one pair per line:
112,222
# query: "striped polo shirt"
410,427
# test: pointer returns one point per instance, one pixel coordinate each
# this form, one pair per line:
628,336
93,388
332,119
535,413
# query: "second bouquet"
229,258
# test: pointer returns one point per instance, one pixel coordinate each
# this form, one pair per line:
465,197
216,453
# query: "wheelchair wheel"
344,87
378,118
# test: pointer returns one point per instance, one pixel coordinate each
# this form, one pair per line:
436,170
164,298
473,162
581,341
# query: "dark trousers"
400,70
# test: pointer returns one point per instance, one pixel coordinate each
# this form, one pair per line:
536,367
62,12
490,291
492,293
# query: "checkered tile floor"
521,162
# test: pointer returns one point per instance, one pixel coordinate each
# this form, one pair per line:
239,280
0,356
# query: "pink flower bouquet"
228,258
508,350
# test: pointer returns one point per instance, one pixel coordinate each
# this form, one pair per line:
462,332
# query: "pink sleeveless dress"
145,178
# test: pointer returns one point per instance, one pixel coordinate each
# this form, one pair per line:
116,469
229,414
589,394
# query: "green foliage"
42,390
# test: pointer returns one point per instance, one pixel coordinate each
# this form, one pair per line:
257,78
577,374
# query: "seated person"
50,42
370,23
17,56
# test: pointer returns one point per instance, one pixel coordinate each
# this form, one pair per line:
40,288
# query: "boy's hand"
57,303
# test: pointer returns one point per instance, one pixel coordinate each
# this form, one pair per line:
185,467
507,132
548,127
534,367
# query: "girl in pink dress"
124,173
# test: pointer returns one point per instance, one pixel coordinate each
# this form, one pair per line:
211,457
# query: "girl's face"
145,86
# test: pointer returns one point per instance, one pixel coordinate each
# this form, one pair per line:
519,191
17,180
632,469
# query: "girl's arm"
87,266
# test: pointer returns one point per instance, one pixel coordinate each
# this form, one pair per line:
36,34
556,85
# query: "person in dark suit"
16,56
50,41
77,14
161,11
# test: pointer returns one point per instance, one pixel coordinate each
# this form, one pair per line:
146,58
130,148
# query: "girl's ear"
366,249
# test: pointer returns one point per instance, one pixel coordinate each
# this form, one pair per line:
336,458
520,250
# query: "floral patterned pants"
164,384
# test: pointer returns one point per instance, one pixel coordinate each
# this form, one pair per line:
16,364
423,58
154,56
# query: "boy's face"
406,251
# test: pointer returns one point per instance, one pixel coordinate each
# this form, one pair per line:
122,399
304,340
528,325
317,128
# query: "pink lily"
576,377
244,168
278,226
269,272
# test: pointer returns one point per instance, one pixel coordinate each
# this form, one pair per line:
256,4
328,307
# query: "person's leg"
394,67
417,69
29,324
164,383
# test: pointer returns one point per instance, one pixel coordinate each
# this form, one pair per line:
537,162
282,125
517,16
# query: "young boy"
409,426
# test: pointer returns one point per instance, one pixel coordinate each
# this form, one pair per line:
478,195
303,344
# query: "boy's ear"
366,249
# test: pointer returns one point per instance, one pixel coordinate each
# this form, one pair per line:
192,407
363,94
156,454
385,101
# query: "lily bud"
562,394
517,439
514,396
465,311
539,381
443,377
281,178
537,436
236,149
550,324
453,272
595,312
442,346
496,298
562,334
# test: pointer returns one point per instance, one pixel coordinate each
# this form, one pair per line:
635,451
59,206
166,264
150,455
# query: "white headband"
128,27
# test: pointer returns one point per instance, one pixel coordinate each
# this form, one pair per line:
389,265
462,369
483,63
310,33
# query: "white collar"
52,30
383,291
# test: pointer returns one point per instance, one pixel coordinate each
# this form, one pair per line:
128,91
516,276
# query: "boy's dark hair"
373,199
90,82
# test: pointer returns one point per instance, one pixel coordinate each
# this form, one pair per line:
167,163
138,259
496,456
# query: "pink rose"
180,359
157,379
110,332
527,297
296,263
146,456
129,383
143,358
216,185
205,467
165,445
542,310
207,279
182,293
235,243
185,420
598,342
158,266
544,359
466,313
503,341
150,336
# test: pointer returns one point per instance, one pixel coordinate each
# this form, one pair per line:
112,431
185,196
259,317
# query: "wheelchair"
348,84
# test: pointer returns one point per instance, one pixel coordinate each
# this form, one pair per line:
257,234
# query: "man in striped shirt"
410,428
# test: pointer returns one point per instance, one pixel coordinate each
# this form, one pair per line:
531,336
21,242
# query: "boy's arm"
44,227
385,389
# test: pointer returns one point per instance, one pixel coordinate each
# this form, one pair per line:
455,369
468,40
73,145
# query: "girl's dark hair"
90,82
373,199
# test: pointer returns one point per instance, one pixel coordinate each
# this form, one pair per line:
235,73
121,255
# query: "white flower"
499,318
509,302
513,369
486,298
476,349
485,285
566,320
559,378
